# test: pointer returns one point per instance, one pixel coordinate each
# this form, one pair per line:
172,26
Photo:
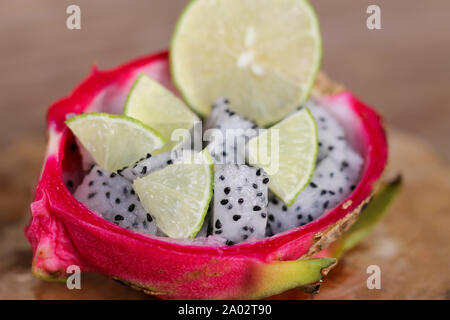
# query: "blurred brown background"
402,70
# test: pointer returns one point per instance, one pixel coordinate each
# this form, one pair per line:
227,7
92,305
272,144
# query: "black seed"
323,192
298,208
224,154
279,224
263,214
320,144
131,207
271,218
352,187
144,170
108,195
104,183
325,205
341,190
148,155
284,208
251,230
245,237
236,217
223,202
91,183
245,228
149,218
274,201
218,231
230,207
227,190
70,183
132,192
99,173
266,180
91,195
331,192
255,186
118,217
254,126
331,174
218,224
256,208
259,194
322,119
313,185
344,164
258,172
117,200
226,101
330,148
229,243
125,190
299,217
310,218
169,161
241,201
222,178
112,175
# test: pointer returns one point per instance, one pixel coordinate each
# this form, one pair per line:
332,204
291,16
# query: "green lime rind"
292,200
154,136
369,217
151,103
287,193
174,196
202,108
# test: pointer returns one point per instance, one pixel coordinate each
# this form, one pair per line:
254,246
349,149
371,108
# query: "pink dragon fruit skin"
63,232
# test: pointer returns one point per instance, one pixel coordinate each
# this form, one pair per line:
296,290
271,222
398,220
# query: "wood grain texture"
401,70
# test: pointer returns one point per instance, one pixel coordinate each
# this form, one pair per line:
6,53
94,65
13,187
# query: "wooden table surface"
402,70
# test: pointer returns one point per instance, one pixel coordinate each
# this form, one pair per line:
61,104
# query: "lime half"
154,105
178,196
287,152
261,54
114,141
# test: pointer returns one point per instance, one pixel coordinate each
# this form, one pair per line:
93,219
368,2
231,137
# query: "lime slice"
287,152
114,141
178,196
263,55
157,107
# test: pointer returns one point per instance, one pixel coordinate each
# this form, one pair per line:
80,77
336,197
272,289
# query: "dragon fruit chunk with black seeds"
228,133
331,183
240,202
113,197
146,165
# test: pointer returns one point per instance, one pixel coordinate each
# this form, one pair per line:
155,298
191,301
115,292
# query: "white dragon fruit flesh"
113,197
332,141
331,183
228,141
240,202
146,165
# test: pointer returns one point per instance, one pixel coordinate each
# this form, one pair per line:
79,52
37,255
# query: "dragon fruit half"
65,232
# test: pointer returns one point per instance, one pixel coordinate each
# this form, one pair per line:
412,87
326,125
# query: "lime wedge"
178,196
159,108
287,152
114,141
263,55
